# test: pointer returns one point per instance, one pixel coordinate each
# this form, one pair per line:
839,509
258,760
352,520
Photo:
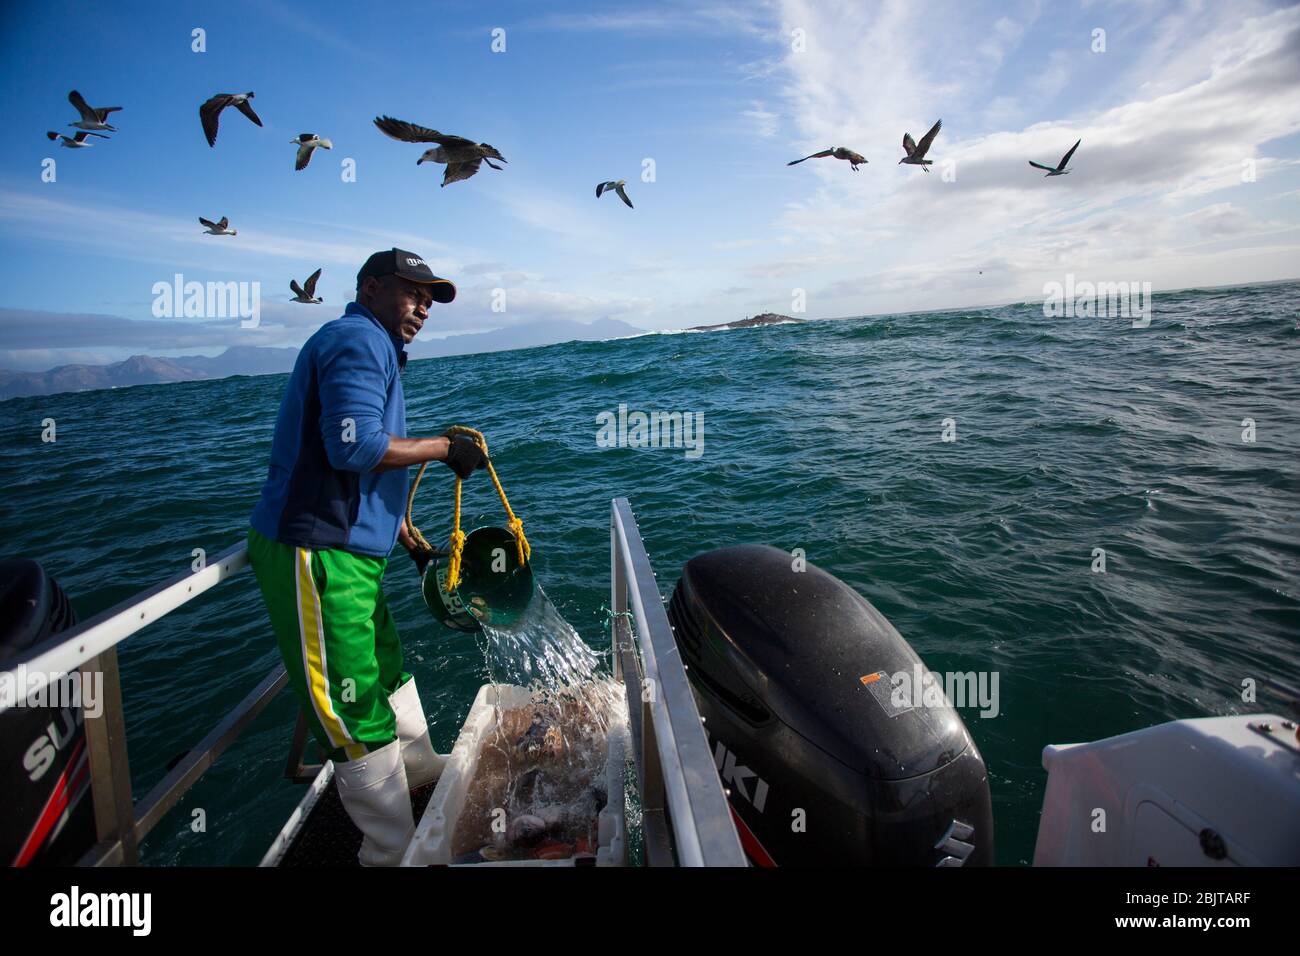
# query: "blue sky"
719,96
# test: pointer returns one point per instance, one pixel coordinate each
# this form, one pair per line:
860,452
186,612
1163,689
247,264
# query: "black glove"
464,456
421,559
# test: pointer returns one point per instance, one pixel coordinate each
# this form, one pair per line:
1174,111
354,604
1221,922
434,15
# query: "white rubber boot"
373,790
423,764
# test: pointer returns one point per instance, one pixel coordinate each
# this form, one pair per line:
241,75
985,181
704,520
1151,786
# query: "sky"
1187,174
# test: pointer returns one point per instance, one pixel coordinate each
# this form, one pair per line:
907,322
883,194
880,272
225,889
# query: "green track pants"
337,638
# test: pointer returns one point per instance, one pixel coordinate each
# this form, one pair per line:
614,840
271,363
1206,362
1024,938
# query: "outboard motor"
44,768
824,763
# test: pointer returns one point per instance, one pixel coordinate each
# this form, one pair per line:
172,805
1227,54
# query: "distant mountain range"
254,360
147,370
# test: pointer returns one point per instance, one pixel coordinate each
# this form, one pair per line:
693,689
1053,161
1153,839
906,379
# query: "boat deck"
329,837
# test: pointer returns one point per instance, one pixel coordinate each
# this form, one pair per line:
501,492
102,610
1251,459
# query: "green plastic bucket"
494,588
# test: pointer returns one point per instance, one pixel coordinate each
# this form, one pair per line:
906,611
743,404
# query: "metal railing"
120,825
685,817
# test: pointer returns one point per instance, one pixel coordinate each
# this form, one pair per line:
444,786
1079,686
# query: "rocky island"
767,318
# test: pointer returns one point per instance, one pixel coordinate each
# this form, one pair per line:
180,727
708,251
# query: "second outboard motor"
824,763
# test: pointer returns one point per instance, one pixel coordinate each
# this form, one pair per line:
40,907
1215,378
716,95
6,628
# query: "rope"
514,523
420,542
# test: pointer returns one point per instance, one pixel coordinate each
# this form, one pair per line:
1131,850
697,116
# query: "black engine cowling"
791,671
44,770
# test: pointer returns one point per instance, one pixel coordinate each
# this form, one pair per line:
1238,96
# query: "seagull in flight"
461,155
78,141
307,143
615,185
839,152
916,151
210,111
91,117
217,228
1059,169
307,292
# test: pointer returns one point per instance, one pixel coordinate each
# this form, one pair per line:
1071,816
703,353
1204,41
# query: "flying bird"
615,185
217,228
77,141
1059,169
307,143
307,292
210,111
461,155
839,152
916,151
91,117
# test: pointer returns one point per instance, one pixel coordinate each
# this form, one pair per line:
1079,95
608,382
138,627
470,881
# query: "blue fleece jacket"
343,401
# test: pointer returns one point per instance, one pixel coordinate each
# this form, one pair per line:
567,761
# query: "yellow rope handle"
515,525
457,546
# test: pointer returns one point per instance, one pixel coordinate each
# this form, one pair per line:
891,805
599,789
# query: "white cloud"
550,214
900,238
526,305
180,240
766,123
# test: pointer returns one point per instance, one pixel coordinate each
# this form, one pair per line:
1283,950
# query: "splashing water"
542,652
540,647
539,784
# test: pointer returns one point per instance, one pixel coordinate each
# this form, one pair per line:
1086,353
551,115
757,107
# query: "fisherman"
333,505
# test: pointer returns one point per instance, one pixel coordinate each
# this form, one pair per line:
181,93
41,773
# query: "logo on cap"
416,262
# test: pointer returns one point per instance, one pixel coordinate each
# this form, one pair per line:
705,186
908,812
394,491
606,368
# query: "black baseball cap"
399,262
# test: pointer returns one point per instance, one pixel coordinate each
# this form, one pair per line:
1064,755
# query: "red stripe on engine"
53,809
749,843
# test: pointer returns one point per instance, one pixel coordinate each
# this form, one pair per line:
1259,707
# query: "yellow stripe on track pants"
337,639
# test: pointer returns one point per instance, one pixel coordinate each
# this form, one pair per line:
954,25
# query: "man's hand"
464,456
404,537
419,556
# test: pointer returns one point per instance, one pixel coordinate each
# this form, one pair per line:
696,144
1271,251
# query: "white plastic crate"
432,843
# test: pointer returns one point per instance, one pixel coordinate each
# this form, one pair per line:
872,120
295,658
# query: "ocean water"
1072,435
